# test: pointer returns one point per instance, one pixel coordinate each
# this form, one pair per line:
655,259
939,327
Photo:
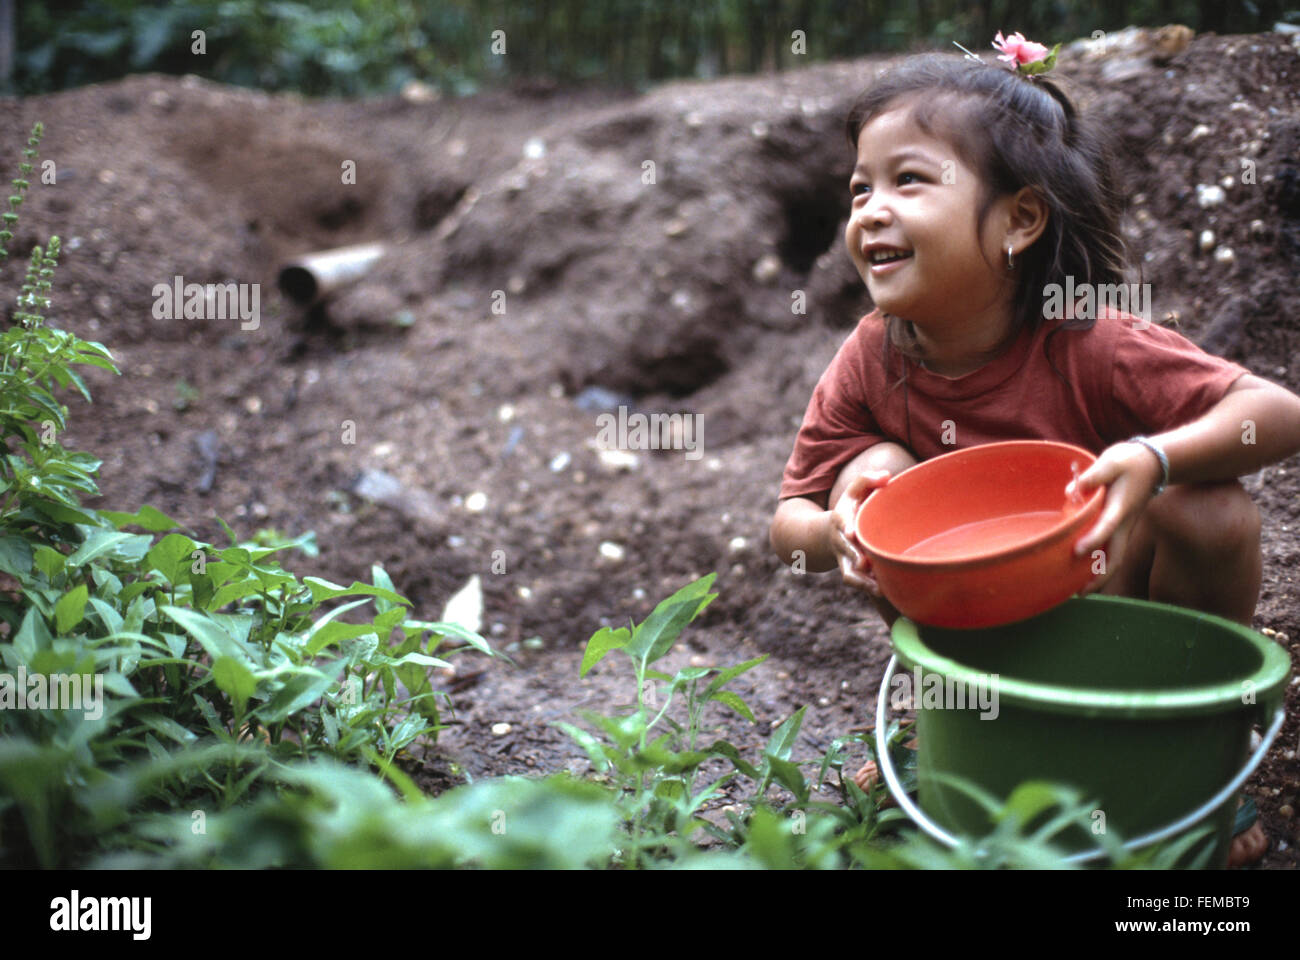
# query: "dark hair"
1015,132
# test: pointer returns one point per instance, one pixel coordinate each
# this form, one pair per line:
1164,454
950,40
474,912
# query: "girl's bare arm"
1255,424
804,523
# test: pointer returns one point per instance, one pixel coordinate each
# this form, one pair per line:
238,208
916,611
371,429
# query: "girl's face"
913,196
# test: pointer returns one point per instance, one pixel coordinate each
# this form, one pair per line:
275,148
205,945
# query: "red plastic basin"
983,536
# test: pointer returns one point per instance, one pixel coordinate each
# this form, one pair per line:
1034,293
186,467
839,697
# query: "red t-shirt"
1123,381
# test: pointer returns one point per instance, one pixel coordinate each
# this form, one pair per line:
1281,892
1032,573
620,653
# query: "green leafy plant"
655,772
203,668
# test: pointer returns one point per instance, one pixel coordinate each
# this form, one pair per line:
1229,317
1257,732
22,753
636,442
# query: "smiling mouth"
887,256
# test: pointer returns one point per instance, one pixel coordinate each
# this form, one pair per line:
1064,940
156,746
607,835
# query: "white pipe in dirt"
312,276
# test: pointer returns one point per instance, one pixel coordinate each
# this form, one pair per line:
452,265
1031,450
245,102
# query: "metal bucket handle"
886,765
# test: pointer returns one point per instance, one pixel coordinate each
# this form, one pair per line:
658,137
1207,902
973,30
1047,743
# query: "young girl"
978,188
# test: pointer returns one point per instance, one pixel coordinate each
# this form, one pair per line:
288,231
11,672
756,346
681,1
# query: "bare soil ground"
674,294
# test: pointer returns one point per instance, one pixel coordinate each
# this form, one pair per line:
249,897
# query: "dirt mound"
681,250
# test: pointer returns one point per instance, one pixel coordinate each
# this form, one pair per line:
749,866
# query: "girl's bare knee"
1210,519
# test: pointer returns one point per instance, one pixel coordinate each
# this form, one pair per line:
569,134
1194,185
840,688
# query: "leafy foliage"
185,655
374,46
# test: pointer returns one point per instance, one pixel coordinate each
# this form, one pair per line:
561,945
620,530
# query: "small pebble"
619,459
560,461
1286,811
611,550
767,269
738,543
500,729
1209,196
506,412
1224,255
1207,241
476,501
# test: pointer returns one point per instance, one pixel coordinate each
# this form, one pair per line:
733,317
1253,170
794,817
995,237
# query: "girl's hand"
1132,472
853,560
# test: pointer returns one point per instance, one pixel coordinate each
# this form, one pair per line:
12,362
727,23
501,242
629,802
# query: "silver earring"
1011,264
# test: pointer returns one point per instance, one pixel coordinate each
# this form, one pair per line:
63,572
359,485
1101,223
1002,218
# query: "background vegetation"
375,46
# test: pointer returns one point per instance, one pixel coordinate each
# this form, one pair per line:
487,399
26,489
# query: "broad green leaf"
168,728
730,673
62,513
33,636
15,556
324,590
172,557
299,692
735,703
411,727
595,752
624,731
215,641
783,739
210,716
332,633
687,674
721,748
601,642
49,561
655,635
788,775
380,576
233,591
108,616
235,679
388,619
475,640
71,608
130,547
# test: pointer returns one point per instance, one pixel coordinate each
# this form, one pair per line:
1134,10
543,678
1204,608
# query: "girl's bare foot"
1248,847
867,777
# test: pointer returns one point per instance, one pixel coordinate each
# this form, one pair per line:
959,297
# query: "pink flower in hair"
1017,50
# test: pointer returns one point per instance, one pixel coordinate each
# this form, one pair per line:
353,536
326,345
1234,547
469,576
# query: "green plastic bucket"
1144,707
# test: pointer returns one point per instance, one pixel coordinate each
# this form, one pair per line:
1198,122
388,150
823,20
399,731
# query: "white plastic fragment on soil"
618,459
465,608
